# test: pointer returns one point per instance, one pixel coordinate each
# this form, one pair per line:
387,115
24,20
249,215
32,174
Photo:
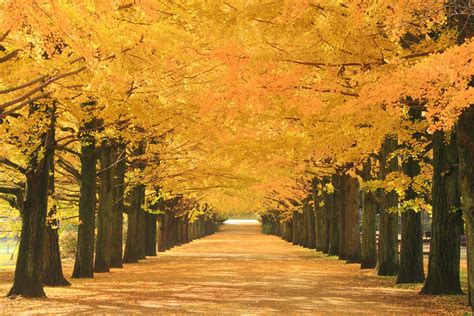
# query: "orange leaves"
246,97
439,81
232,55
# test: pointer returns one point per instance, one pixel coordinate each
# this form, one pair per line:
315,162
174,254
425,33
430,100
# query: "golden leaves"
243,98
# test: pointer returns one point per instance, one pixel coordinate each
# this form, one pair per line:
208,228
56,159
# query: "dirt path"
235,271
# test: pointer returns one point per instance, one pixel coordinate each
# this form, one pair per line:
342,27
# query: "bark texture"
104,218
387,256
466,177
443,262
84,263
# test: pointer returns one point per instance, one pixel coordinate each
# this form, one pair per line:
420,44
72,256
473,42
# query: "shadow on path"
238,270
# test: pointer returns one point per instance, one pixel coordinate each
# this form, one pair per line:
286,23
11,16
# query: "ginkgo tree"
289,108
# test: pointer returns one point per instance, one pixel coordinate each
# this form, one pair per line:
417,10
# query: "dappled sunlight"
238,270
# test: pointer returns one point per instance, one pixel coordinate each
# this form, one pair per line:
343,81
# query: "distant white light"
241,222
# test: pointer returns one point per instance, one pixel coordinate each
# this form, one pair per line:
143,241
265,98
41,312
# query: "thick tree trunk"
369,242
84,264
369,210
162,233
141,223
300,229
342,217
466,177
387,260
294,220
185,228
28,277
289,230
195,230
411,249
176,231
352,230
335,220
306,223
324,225
277,227
28,280
172,230
131,254
443,262
53,272
150,234
118,206
106,200
168,229
311,228
320,218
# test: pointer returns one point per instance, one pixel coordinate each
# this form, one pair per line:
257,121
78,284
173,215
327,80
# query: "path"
236,271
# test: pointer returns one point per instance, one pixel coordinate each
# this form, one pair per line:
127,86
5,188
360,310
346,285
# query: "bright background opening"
241,222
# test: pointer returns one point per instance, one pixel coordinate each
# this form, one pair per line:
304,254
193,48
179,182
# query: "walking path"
235,271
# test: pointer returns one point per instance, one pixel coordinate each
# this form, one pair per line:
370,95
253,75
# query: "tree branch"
11,164
45,84
32,82
9,56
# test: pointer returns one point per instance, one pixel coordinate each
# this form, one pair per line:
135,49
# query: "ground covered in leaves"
235,271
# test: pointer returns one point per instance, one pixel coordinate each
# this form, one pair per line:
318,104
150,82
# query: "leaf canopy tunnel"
325,118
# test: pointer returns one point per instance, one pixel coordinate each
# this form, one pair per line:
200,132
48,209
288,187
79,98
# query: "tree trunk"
186,228
150,234
324,225
446,226
141,223
335,221
318,229
179,231
53,272
168,229
289,230
351,225
388,233
300,229
369,210
312,228
342,217
294,219
466,177
411,249
28,279
131,254
162,234
106,200
84,264
306,223
118,206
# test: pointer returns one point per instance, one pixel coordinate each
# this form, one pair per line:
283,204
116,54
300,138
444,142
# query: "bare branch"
32,82
24,103
11,164
9,56
45,84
